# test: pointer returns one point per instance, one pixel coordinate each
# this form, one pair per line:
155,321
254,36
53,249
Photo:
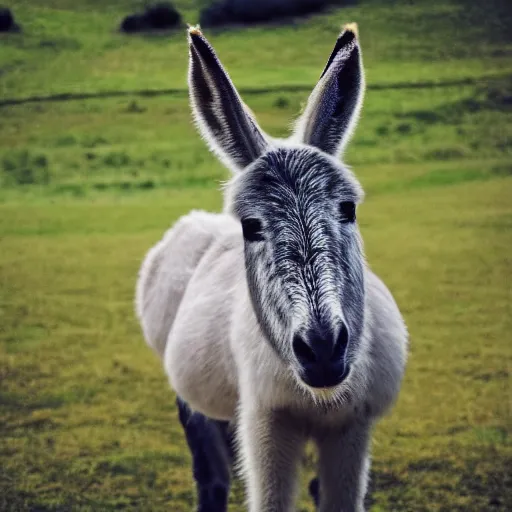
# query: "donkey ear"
223,119
332,110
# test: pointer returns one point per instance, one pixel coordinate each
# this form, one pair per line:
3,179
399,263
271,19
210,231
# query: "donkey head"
297,206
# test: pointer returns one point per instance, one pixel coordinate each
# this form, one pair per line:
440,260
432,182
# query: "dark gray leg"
343,465
211,445
314,491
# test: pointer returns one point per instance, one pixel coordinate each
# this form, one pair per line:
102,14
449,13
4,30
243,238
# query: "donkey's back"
167,270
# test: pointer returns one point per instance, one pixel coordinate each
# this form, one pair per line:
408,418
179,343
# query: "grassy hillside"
98,156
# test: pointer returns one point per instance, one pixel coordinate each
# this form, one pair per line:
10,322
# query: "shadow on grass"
133,482
480,483
495,96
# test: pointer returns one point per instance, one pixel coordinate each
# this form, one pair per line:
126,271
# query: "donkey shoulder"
388,344
167,269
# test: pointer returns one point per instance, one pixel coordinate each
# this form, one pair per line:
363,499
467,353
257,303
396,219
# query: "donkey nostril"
303,351
340,346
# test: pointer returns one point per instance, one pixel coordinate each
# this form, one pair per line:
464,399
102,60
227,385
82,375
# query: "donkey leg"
314,490
343,467
271,444
210,443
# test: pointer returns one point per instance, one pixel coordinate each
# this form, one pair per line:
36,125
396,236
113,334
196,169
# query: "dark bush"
216,15
133,23
160,16
259,11
163,16
23,168
116,159
7,23
281,102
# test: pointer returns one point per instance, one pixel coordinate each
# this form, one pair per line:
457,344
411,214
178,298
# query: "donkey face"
297,207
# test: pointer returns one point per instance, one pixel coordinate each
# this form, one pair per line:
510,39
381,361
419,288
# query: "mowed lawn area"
98,156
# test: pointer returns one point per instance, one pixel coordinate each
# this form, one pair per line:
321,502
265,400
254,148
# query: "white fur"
195,310
217,360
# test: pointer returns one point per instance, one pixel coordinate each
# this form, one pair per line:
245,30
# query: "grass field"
98,156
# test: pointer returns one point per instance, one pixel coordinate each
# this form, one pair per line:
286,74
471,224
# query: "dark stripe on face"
308,260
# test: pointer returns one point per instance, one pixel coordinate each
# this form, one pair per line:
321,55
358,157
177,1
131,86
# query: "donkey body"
267,319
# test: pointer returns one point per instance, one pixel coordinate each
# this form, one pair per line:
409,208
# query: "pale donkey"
271,327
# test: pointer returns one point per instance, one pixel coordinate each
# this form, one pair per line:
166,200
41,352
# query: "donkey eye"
252,230
347,211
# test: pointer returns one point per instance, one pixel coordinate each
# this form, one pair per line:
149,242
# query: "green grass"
90,179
